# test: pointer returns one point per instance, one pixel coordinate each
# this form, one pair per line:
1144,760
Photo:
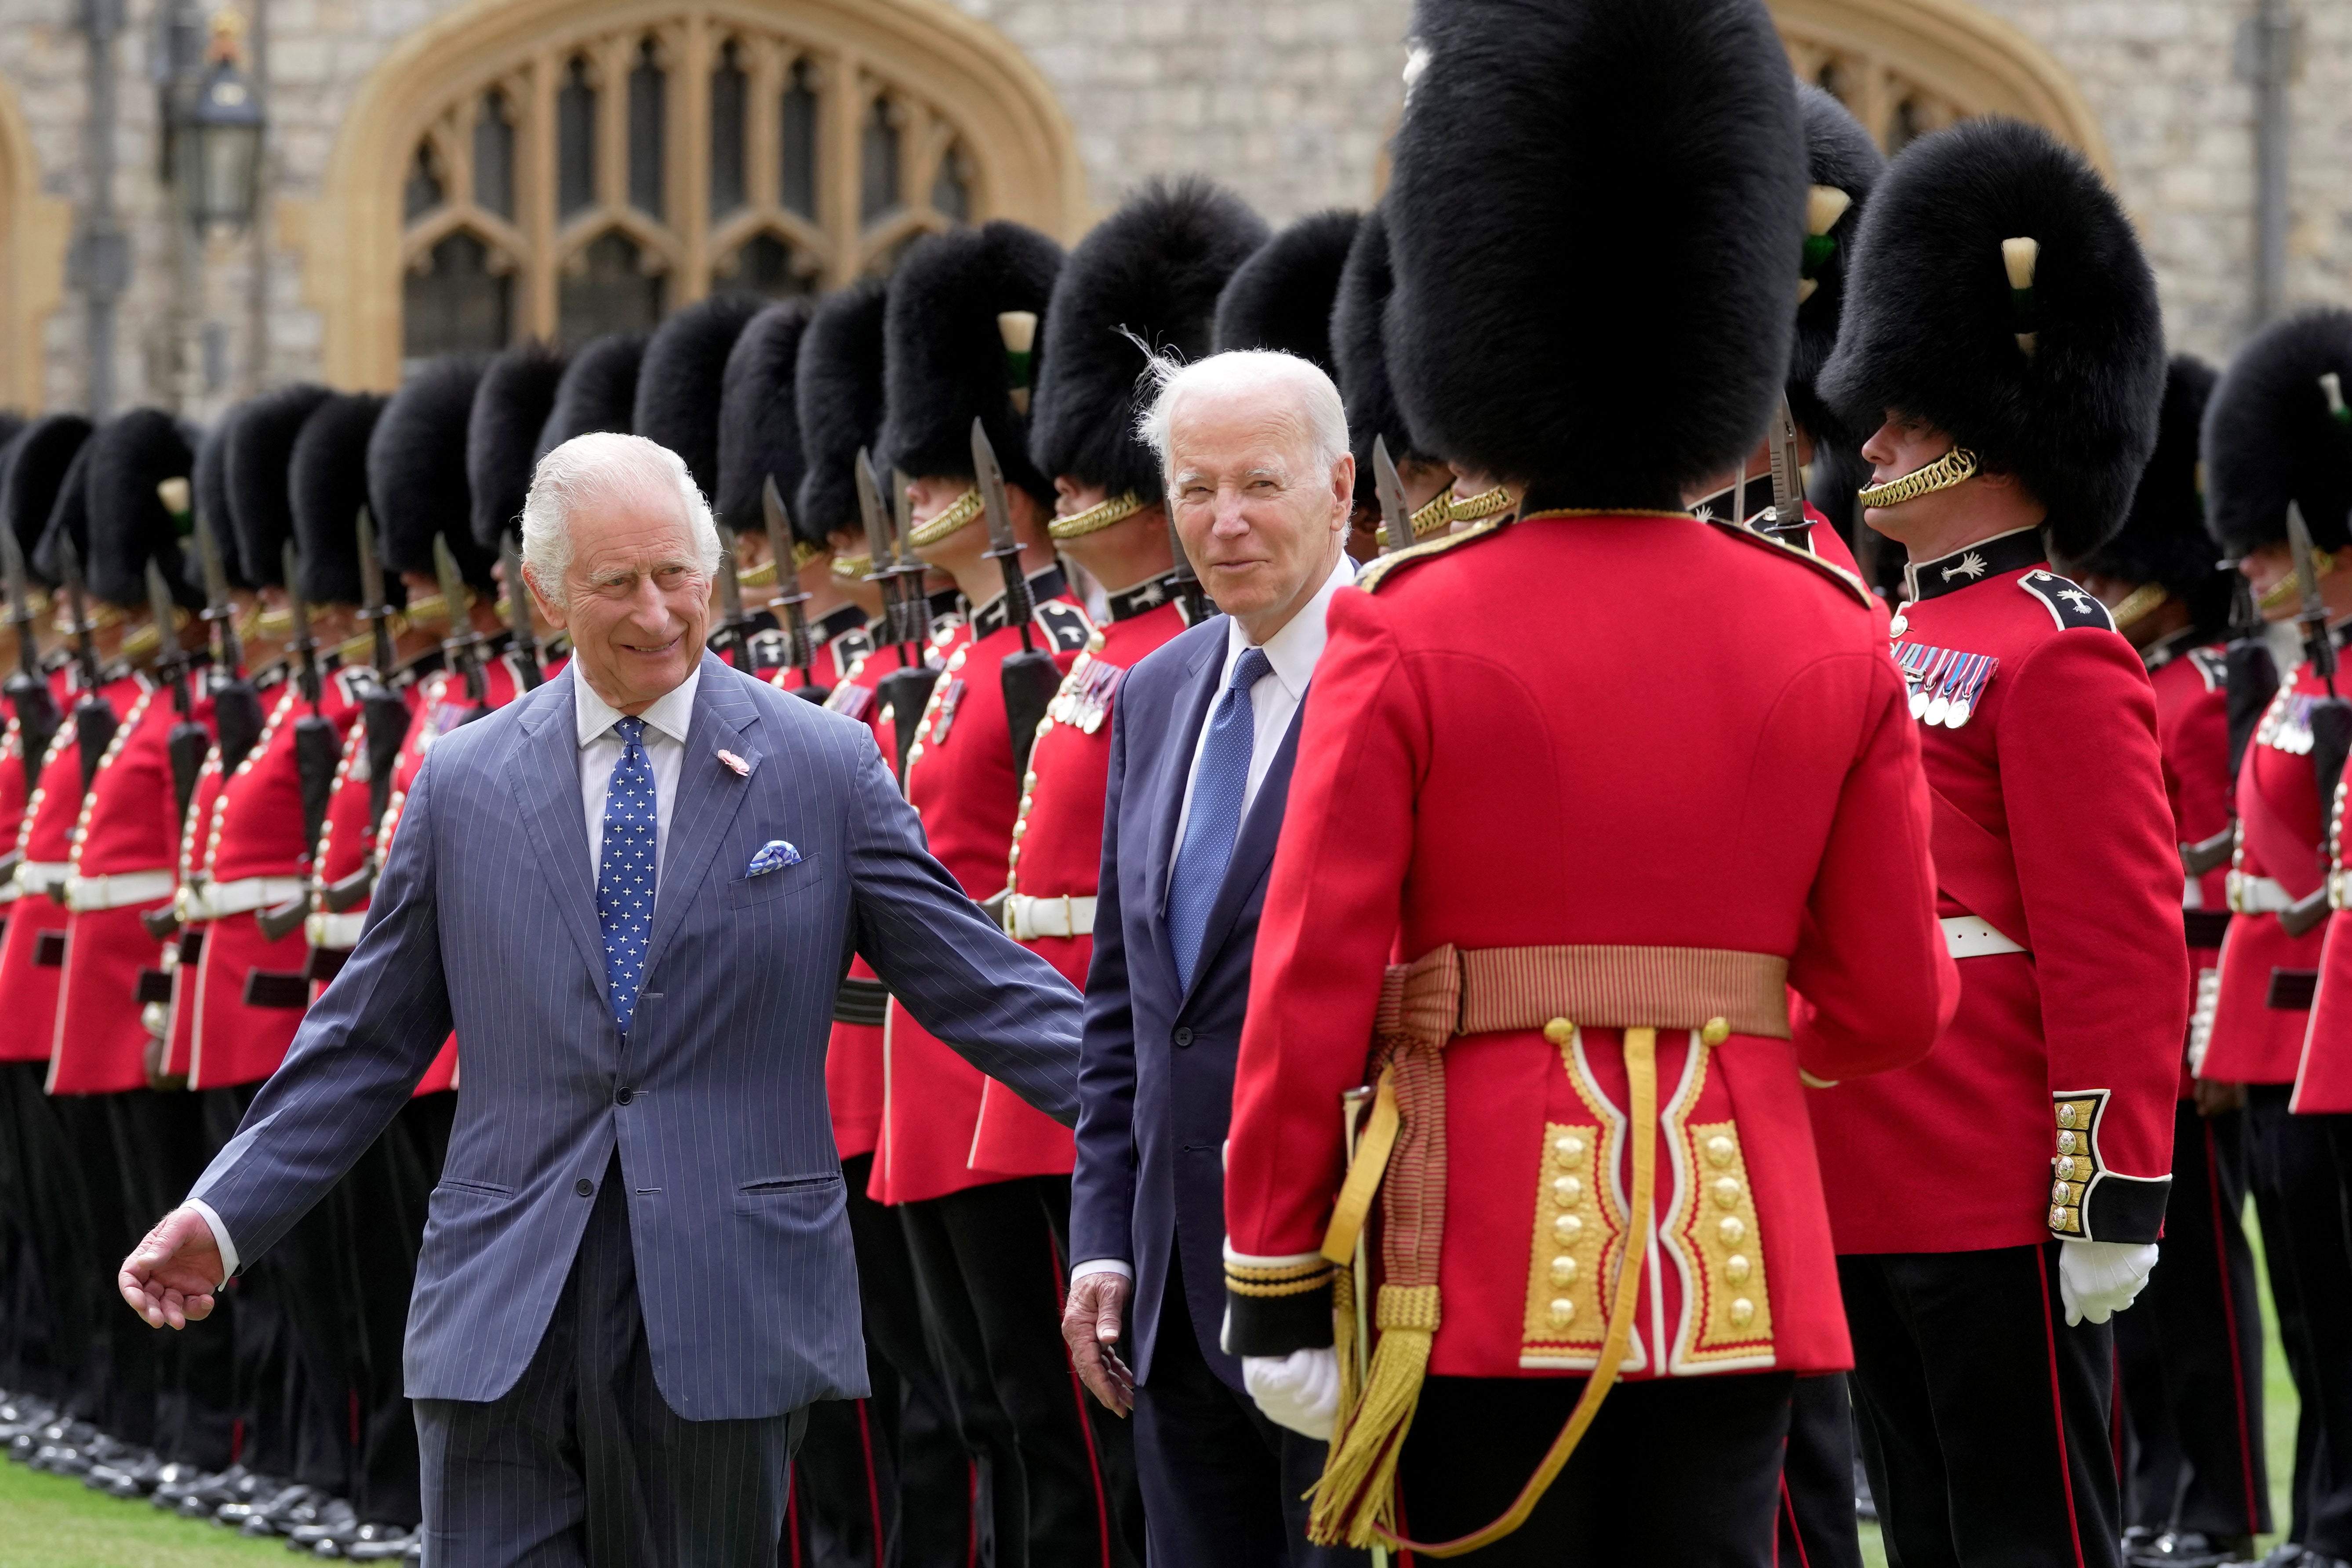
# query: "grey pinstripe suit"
715,1102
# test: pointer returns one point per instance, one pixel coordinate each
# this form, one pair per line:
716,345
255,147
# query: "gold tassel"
1353,1500
1343,1342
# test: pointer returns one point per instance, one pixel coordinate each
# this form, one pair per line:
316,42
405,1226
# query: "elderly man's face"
1261,518
635,598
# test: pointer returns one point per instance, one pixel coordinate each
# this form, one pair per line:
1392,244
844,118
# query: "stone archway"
32,261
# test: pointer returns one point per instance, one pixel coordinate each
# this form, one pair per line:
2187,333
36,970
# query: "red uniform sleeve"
1870,963
2100,875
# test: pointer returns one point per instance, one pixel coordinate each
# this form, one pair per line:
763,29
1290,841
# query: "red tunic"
1057,853
129,827
2323,1080
837,644
2263,1006
2192,729
2053,831
1488,767
961,781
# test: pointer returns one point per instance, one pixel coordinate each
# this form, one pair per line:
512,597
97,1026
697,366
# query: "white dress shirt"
1293,652
600,753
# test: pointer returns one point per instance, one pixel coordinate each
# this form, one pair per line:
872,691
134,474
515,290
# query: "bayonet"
909,565
728,640
1786,520
318,746
94,719
236,707
533,673
2318,645
304,647
1029,677
376,612
906,689
219,609
28,693
883,560
1396,518
463,645
792,600
188,740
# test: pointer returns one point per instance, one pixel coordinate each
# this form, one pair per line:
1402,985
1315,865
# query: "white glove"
1300,1391
2096,1280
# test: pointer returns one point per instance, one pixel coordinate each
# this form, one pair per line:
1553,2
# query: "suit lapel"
544,772
1254,847
1176,766
709,793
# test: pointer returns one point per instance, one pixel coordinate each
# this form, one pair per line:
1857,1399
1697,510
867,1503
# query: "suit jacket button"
1184,1034
585,1187
623,1096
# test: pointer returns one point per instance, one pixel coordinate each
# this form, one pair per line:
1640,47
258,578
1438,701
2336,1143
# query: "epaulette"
1853,585
2212,664
2073,608
1369,576
1065,622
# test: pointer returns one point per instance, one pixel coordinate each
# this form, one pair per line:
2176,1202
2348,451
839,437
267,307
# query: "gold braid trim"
2288,589
966,507
852,567
1433,518
1955,466
2139,604
1476,509
1095,517
1378,572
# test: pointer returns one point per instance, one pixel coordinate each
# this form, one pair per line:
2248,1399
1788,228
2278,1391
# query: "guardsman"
1601,887
960,335
1842,164
2190,1359
1360,365
1995,1205
2274,439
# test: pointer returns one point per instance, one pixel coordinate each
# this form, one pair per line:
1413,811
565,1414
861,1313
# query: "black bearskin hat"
417,471
1155,268
39,459
12,424
1998,293
2163,538
209,494
1359,356
1843,163
951,355
511,407
128,525
1594,214
258,447
598,392
1281,297
68,518
679,384
326,478
838,393
759,422
2277,432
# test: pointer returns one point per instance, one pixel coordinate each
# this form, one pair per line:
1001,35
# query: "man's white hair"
607,467
1321,417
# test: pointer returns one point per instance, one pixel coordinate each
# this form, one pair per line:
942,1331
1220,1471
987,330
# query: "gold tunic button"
1719,1150
1735,1269
1563,1270
1566,1226
1716,1031
1563,1312
1567,1149
1559,1031
1733,1229
1743,1312
1726,1193
1567,1190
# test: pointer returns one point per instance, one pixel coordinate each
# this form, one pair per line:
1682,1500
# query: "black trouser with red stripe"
1816,1526
2300,1202
992,1273
1983,1418
2189,1352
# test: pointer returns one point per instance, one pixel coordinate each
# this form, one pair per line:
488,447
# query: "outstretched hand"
1092,1320
171,1276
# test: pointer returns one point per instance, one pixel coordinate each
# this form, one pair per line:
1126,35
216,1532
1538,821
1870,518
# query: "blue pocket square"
774,855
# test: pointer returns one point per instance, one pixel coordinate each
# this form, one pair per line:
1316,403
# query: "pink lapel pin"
737,765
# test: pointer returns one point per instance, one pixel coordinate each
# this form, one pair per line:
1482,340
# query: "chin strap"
1955,466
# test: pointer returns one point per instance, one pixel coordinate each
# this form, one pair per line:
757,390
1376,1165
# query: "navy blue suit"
711,1114
1155,1095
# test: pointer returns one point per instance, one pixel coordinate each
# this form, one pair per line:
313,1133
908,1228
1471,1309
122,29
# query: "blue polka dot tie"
625,871
1218,788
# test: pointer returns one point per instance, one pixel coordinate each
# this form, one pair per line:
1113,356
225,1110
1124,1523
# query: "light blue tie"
1218,788
625,871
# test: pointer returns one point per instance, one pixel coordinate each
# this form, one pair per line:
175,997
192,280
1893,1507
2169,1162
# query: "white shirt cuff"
220,1239
1102,1266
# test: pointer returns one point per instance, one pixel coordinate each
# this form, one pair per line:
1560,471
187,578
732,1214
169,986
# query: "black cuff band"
2122,1209
1277,1325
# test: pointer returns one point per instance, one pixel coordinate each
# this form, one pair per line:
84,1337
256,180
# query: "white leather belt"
2257,895
35,878
1068,915
123,888
1965,936
217,900
335,931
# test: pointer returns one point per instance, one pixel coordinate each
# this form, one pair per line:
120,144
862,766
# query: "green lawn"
49,1522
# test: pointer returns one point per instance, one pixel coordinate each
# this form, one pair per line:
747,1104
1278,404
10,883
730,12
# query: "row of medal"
1084,701
1944,682
2286,727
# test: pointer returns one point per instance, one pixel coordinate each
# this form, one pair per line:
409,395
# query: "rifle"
906,689
1396,518
2331,716
532,673
317,748
1030,677
94,717
27,690
380,709
909,565
189,741
726,642
1785,519
790,601
463,647
236,707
